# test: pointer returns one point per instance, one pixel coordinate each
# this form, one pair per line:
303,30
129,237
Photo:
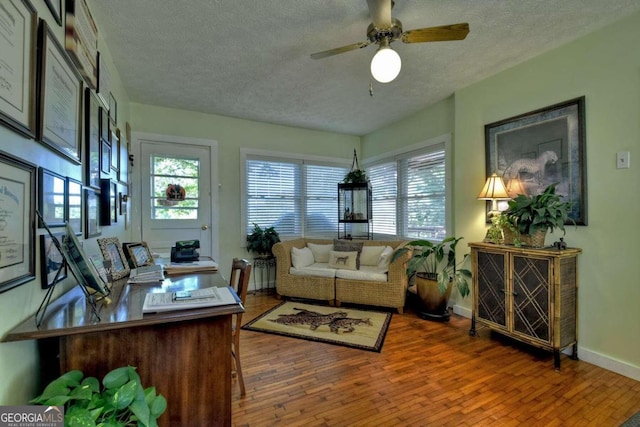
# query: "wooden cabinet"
527,294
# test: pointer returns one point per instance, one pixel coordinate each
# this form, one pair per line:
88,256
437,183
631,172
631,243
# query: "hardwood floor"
427,374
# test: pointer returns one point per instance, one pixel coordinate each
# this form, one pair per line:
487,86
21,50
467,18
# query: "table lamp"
494,190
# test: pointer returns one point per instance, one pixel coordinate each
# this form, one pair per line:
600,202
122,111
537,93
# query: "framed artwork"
91,213
83,269
74,208
108,205
81,40
115,151
18,70
123,171
60,102
51,261
112,251
104,80
17,221
113,109
105,159
52,198
138,254
92,138
55,6
104,123
536,149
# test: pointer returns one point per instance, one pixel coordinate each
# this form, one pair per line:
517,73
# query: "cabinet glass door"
491,287
531,305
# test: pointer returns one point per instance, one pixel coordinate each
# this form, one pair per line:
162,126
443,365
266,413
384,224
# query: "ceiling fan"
384,29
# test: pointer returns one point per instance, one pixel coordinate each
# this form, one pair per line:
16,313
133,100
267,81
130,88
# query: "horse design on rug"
336,321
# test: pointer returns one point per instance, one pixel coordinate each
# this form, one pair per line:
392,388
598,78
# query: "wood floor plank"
427,374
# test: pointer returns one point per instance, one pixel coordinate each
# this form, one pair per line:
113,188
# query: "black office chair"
240,272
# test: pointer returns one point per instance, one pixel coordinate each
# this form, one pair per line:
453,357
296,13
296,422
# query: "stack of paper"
168,301
201,266
146,274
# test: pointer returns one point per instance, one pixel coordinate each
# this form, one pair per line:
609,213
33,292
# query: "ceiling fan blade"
337,50
437,34
380,13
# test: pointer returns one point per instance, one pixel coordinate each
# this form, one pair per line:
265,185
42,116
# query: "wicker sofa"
338,290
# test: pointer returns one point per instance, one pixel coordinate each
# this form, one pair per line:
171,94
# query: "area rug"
344,326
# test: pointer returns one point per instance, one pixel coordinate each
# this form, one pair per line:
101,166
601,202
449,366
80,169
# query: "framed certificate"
18,66
60,103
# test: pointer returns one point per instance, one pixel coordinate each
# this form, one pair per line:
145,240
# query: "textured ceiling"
250,58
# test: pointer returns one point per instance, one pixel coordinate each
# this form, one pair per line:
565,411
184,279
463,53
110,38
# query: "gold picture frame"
115,262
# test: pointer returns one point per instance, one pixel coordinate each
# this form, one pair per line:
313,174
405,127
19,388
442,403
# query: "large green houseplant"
536,214
121,401
435,268
261,240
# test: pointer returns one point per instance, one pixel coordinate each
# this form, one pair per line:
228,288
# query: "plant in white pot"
435,270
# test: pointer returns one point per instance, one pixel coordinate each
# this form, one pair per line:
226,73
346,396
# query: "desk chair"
240,272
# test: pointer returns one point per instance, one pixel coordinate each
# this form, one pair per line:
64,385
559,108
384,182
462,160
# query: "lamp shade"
386,64
494,189
514,187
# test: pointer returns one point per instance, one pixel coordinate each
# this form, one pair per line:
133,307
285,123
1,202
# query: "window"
410,193
296,196
170,171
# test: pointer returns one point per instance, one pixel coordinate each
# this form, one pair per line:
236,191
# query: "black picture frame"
91,213
52,198
108,202
60,89
92,139
17,231
75,206
138,254
103,114
55,6
51,260
115,151
113,109
18,73
540,148
105,159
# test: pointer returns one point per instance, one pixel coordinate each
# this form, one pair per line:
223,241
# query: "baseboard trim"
584,354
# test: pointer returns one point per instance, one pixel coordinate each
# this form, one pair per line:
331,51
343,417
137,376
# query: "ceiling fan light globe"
385,64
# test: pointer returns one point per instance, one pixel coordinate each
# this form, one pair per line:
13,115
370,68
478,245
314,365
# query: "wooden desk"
184,354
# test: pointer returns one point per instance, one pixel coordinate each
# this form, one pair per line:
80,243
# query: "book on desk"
146,274
184,300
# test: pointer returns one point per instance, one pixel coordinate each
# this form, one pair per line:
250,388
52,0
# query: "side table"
262,266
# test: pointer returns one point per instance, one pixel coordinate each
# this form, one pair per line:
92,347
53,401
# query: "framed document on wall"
18,68
17,221
81,35
60,103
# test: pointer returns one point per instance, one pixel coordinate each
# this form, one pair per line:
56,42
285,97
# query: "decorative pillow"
320,252
301,258
370,255
343,260
383,260
348,246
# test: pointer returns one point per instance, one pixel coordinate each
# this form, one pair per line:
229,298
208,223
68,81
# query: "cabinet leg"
574,353
556,359
472,331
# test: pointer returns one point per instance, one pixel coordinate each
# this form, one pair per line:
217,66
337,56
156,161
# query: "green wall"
605,68
232,135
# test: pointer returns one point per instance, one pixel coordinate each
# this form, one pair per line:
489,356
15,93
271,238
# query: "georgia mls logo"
32,416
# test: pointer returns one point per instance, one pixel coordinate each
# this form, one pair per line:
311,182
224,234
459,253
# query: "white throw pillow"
320,252
344,260
383,260
301,258
370,255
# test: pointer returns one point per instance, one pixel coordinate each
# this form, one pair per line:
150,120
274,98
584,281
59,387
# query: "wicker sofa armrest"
282,252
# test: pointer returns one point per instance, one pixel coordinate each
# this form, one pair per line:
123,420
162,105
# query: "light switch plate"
623,160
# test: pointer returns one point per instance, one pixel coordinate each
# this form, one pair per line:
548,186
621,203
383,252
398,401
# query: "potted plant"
122,401
501,230
261,240
356,176
534,215
434,269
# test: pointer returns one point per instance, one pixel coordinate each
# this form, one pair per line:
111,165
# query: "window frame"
302,159
413,150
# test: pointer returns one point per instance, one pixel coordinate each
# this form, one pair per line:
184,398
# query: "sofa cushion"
366,273
320,252
348,246
316,270
301,257
342,259
384,259
370,255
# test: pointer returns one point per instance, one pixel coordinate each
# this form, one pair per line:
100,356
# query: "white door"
167,164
